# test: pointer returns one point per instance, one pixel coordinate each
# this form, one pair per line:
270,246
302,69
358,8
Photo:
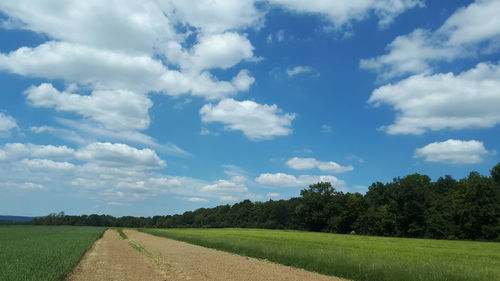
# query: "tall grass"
354,257
43,253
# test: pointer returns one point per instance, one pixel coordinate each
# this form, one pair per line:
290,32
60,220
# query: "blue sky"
158,107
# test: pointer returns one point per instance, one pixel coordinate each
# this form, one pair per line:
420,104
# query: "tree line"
411,206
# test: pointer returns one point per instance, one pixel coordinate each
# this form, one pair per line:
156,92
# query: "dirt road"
145,257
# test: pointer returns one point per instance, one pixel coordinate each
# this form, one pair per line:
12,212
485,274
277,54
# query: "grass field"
43,253
355,257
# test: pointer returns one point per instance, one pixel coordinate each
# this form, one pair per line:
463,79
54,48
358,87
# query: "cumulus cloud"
105,154
92,22
46,165
28,150
297,163
80,49
443,101
465,33
117,110
296,70
90,66
7,123
227,190
117,154
222,50
286,180
341,13
453,151
256,121
223,16
109,173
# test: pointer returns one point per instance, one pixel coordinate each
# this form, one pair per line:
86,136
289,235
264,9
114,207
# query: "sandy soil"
145,257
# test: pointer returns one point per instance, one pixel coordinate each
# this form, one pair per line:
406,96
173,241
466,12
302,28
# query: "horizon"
155,108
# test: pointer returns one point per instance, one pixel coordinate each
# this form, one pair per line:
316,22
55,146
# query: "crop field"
355,257
43,253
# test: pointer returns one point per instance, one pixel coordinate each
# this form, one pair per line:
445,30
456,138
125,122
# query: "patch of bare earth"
146,257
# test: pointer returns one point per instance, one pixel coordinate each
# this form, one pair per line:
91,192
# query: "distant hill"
17,218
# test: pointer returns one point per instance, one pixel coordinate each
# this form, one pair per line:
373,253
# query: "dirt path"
145,257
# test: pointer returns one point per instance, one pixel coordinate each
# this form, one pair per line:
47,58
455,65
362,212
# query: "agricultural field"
354,257
43,253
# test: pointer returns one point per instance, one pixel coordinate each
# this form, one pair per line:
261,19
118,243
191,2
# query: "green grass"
355,257
43,253
122,234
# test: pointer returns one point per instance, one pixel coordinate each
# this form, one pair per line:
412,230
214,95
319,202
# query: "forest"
410,206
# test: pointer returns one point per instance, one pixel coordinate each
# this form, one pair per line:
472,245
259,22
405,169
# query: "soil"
144,257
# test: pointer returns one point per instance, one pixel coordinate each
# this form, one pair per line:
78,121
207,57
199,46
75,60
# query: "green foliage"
495,173
355,257
42,253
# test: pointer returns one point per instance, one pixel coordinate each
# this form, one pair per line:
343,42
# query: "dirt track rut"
145,257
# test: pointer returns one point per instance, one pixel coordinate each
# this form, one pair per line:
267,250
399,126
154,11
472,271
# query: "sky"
159,107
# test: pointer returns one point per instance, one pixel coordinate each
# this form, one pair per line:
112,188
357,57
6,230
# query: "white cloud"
89,66
22,186
256,121
475,23
117,154
223,50
46,165
408,54
94,133
326,128
343,12
296,70
470,30
116,110
311,163
195,199
229,190
278,37
285,180
110,173
28,150
104,154
443,101
92,22
224,186
453,151
7,123
113,70
223,15
273,195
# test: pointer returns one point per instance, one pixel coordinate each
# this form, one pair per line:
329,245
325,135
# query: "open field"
355,257
144,257
43,253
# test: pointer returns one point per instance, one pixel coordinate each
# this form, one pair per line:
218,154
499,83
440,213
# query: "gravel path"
146,257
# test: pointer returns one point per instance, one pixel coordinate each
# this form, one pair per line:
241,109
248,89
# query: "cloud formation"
453,151
297,163
443,101
343,12
256,121
7,123
465,33
286,180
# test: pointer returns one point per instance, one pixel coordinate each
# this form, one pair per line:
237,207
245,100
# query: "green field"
43,253
355,257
